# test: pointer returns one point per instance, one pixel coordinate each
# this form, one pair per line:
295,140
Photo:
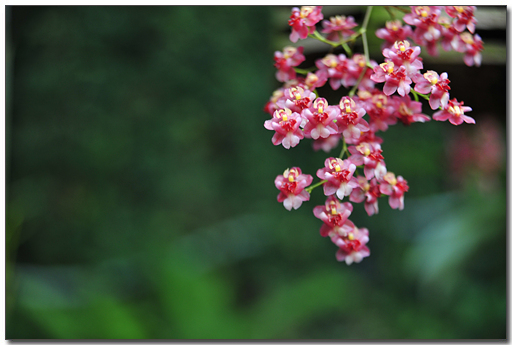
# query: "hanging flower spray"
376,96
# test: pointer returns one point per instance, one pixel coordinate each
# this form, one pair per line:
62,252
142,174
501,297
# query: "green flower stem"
347,48
416,94
310,188
344,149
319,37
304,70
366,50
363,32
408,10
391,14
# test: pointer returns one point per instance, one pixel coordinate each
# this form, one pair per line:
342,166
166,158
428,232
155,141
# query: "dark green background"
141,201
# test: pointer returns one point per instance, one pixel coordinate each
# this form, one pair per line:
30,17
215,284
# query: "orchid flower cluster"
359,174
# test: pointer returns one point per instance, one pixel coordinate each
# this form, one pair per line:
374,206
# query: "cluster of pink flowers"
433,28
359,174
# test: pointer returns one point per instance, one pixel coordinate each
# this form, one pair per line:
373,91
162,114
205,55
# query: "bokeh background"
140,197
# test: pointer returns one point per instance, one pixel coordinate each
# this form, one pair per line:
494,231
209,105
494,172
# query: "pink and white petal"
277,139
294,36
356,159
303,196
389,88
444,99
363,126
456,120
320,173
341,255
394,202
351,167
349,260
386,188
319,212
403,88
296,202
434,102
468,60
282,197
357,256
287,141
371,208
294,139
423,87
420,118
441,115
329,188
343,190
369,173
357,195
325,230
364,251
268,124
468,119
380,171
335,83
288,202
315,134
324,132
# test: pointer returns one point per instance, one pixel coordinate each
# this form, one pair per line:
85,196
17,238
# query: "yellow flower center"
387,67
390,178
455,110
306,11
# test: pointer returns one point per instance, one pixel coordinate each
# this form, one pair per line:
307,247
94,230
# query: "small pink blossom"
454,112
395,187
339,176
423,16
296,98
428,29
357,68
286,124
394,31
334,215
394,78
449,35
291,186
472,47
338,69
286,60
367,192
464,17
314,80
271,105
353,248
368,137
327,144
381,111
409,111
303,21
436,85
320,118
402,54
370,156
338,25
350,120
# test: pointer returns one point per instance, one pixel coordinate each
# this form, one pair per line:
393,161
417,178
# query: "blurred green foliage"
141,204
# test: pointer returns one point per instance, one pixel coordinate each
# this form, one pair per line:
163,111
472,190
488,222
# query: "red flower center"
288,125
